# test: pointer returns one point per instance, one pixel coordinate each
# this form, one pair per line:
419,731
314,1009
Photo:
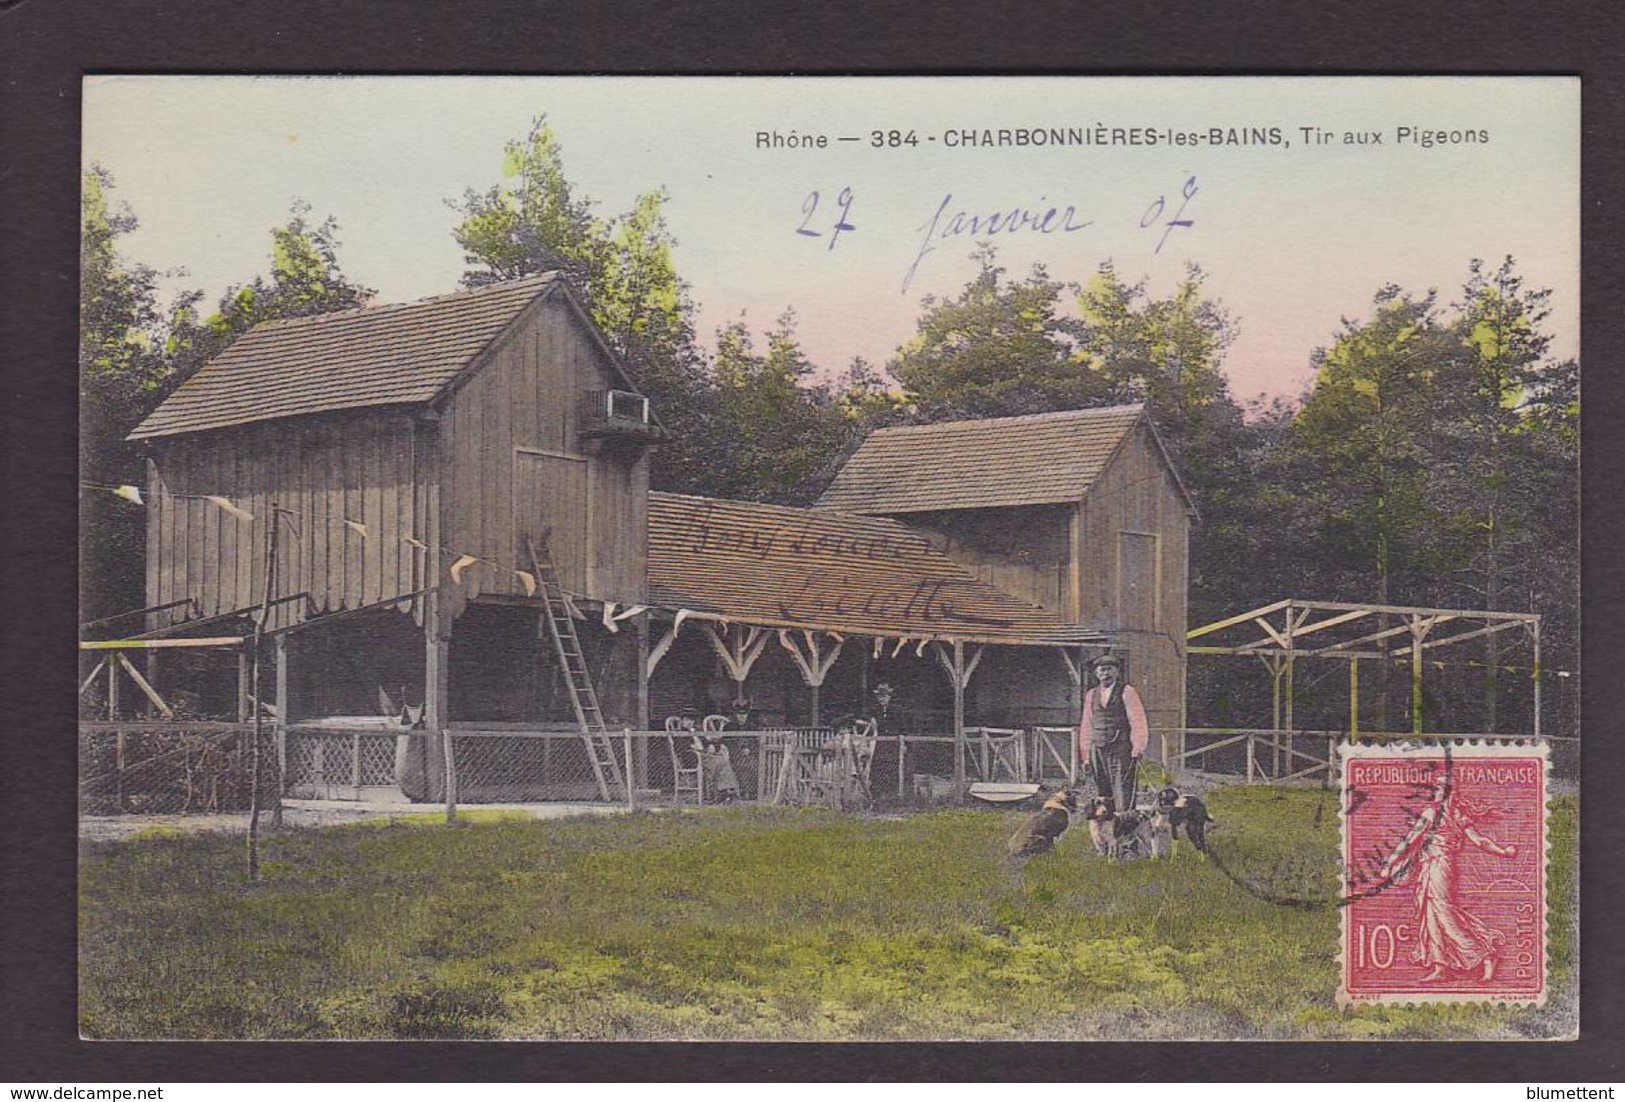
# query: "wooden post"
272,528
242,684
631,780
118,739
281,648
1250,756
451,774
1535,673
1354,700
959,717
642,773
1418,632
436,685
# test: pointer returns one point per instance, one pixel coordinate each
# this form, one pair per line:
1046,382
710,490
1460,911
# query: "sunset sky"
1295,233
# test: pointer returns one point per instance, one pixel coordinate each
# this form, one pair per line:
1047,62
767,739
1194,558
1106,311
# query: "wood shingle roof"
372,356
1041,459
818,569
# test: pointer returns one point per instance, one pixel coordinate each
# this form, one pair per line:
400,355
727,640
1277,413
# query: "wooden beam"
1417,610
142,684
1403,629
1491,630
1238,619
1299,630
146,644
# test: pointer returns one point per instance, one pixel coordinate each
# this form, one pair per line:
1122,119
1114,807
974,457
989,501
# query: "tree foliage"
623,270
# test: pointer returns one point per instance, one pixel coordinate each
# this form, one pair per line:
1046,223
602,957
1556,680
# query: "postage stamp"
1444,857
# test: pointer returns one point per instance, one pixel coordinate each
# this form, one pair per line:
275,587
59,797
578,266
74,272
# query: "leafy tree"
999,348
774,436
624,272
305,279
119,378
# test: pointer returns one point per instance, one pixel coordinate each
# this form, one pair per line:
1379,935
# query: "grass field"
750,924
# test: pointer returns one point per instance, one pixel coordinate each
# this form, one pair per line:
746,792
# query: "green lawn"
748,923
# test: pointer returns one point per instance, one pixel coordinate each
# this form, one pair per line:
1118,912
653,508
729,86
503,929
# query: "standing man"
1113,732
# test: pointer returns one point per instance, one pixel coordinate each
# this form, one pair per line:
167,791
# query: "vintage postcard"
829,559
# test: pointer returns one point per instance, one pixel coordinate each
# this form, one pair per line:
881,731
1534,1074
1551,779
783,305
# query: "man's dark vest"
1109,723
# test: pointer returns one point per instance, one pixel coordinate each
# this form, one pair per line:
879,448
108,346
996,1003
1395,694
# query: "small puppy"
1044,828
1185,811
1102,818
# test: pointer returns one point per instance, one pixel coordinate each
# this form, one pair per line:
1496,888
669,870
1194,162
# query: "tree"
305,279
773,436
119,379
999,348
622,269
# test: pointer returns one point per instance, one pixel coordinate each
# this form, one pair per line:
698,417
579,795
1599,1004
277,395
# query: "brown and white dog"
1183,810
1102,819
1045,826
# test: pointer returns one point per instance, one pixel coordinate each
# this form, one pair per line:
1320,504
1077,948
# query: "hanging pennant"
129,493
355,526
413,542
463,563
528,580
226,504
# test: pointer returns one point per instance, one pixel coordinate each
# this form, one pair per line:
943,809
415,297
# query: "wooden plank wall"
1024,551
1137,494
323,471
508,419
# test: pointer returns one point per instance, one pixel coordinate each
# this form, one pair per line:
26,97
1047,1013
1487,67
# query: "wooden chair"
688,781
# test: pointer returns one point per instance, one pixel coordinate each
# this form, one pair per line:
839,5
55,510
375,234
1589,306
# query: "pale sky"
1295,234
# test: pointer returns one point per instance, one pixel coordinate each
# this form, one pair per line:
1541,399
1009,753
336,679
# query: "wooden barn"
1080,512
405,453
379,477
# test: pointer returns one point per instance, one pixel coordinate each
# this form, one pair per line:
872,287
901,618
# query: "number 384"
892,138
1376,945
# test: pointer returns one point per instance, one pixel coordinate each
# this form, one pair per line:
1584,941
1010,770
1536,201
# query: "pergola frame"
1285,631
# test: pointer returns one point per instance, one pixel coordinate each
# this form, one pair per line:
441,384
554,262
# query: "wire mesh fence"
164,768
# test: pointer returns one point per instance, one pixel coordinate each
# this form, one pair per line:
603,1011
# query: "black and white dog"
1045,826
1174,809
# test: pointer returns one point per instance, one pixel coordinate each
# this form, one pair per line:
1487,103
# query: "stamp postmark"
1444,861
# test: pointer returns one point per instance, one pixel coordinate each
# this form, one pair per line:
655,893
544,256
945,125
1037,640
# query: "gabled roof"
1041,459
372,356
817,569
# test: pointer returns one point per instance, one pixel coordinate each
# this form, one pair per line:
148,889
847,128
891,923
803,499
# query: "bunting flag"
463,563
528,580
901,643
612,618
226,503
355,526
920,650
412,541
129,493
878,644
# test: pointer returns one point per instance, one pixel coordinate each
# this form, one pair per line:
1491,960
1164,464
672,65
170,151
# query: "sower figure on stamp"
1112,733
1448,936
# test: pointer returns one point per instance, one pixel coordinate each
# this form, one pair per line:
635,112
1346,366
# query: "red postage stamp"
1444,860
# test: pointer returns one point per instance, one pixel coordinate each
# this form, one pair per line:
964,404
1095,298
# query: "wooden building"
405,453
1080,512
392,464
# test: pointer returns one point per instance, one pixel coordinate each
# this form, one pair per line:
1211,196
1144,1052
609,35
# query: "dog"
1160,825
1044,827
1184,810
1102,819
1130,835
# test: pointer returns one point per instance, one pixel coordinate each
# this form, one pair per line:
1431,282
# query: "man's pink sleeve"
1084,730
1139,729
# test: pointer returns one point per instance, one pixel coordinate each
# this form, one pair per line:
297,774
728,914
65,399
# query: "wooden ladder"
561,628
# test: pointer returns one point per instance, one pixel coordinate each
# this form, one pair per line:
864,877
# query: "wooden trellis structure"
1284,632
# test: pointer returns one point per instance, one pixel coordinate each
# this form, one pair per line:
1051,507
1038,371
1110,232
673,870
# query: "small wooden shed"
402,449
1080,512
